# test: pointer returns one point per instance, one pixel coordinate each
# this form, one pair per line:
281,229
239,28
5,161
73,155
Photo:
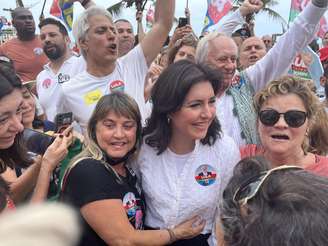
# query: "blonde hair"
119,103
317,137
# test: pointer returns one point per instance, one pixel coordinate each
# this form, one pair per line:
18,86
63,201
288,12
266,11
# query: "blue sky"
264,25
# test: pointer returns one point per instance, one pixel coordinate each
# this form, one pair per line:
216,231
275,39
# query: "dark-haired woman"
103,187
284,205
12,150
185,160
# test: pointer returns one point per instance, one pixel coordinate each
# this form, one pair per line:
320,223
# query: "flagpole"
41,15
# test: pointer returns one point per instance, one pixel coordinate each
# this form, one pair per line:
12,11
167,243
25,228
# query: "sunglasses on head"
294,118
249,189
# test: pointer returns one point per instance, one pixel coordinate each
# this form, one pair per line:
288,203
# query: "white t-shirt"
173,196
82,93
49,84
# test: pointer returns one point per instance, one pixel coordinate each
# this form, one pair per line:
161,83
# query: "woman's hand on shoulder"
189,228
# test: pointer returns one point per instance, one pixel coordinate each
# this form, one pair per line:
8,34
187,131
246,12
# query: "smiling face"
10,118
222,55
251,50
28,107
116,134
185,52
281,139
192,121
100,44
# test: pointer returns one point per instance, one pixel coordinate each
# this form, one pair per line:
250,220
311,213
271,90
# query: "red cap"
323,54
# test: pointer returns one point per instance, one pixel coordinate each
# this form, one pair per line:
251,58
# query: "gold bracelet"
173,237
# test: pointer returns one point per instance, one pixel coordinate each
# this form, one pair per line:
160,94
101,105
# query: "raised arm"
238,17
277,61
155,38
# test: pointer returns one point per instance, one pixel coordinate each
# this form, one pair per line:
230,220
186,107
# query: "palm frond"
274,15
117,8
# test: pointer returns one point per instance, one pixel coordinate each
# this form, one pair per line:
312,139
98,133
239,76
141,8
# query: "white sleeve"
231,158
278,60
134,62
231,23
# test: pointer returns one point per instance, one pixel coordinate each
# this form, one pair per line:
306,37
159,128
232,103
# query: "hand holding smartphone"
183,21
62,121
37,142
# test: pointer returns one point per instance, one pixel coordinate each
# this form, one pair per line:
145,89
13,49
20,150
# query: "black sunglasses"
294,118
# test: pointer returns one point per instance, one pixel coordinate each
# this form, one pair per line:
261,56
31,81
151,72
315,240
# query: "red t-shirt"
320,167
28,57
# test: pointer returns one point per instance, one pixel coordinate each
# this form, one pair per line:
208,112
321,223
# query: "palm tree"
117,8
19,3
267,9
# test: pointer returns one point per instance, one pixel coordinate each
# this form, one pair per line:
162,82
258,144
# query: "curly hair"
317,139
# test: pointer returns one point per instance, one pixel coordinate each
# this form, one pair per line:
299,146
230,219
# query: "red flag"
297,6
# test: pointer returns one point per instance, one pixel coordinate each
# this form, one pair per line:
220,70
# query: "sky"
263,23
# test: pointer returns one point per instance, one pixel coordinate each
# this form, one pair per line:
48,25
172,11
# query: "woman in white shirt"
185,161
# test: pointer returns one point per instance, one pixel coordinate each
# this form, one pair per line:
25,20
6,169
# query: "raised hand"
250,7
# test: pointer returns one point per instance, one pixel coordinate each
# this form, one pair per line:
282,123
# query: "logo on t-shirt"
38,51
62,78
92,97
46,83
133,210
116,85
205,175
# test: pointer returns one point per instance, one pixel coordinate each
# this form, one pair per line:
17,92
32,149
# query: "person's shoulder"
87,167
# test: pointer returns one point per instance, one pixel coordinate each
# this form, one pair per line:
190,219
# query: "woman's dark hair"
188,40
15,155
168,95
290,208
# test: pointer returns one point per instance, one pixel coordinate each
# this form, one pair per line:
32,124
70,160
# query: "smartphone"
182,21
36,142
63,121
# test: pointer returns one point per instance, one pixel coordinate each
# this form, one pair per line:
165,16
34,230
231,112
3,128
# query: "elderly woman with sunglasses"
287,110
285,206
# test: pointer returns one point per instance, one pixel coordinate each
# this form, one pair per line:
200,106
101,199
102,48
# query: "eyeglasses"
294,118
249,190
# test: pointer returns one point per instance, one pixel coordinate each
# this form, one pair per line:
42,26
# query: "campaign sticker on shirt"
205,175
38,51
46,83
130,204
92,97
116,85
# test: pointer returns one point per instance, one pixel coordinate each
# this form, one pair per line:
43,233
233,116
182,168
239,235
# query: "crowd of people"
158,140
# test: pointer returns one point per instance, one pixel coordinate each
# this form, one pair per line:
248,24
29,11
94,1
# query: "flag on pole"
297,6
150,16
63,9
216,9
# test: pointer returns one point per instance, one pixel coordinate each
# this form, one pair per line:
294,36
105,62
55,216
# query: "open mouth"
253,58
112,47
280,137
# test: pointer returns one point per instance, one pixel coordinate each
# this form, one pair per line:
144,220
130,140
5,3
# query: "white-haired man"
234,105
96,35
